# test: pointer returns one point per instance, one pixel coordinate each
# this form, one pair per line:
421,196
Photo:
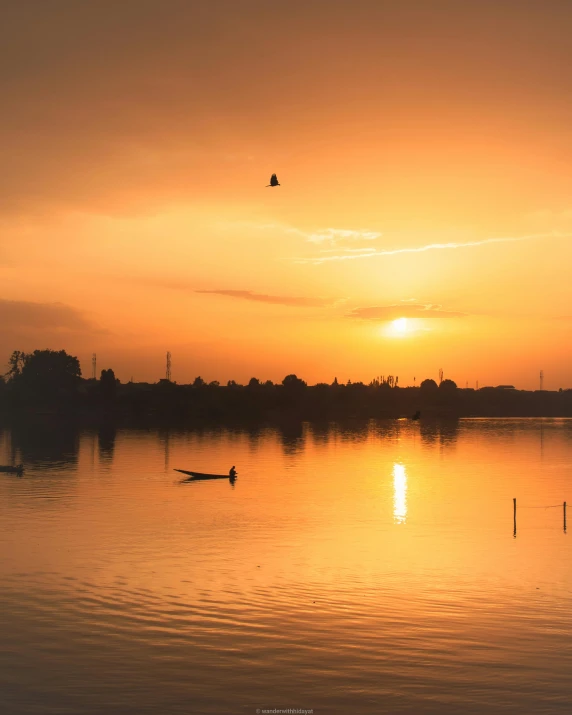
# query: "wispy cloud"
21,316
292,301
405,310
345,256
325,235
346,250
298,302
337,235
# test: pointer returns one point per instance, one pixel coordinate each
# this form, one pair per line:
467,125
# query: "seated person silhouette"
232,473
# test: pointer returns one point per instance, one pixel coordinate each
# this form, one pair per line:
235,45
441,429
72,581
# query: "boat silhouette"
200,476
12,469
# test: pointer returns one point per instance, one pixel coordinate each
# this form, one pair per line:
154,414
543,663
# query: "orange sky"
137,139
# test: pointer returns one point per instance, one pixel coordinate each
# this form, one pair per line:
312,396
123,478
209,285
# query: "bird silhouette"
273,181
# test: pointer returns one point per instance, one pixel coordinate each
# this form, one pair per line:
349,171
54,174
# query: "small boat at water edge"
14,469
199,475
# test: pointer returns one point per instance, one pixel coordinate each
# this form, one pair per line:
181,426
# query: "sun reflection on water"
399,494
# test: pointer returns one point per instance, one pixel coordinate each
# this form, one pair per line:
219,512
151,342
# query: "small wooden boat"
200,476
12,469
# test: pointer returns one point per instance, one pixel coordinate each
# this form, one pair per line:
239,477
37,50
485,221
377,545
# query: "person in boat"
232,472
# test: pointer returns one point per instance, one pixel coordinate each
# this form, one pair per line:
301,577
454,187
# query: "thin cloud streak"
347,250
325,235
292,301
432,247
334,235
405,310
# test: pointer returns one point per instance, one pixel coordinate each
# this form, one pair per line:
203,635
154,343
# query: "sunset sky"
424,217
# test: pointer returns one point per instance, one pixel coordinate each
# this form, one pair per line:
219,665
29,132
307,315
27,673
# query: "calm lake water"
371,569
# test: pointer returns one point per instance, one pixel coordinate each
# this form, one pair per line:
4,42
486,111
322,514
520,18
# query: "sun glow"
397,328
399,494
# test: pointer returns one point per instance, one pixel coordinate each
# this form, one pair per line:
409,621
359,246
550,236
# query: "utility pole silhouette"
440,375
168,371
94,366
542,380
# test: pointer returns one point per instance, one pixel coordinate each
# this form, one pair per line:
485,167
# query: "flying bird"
273,181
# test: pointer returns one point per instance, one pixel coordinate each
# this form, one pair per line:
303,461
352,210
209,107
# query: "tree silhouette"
108,385
291,382
51,379
428,385
448,386
47,375
16,363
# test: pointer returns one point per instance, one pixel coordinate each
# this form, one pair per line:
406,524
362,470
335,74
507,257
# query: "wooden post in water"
564,505
514,502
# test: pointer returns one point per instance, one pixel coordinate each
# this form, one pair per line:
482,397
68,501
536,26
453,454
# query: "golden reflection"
399,494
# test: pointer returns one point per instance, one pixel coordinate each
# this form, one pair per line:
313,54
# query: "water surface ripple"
371,569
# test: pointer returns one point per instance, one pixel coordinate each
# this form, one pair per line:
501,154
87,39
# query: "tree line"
52,380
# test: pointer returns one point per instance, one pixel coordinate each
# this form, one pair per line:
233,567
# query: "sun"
399,326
